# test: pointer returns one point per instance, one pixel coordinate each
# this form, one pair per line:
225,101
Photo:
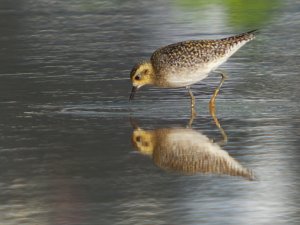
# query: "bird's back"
189,58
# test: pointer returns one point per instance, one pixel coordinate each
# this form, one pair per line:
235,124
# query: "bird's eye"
138,139
137,77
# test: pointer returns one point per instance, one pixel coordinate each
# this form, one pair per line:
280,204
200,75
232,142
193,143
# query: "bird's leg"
212,108
213,98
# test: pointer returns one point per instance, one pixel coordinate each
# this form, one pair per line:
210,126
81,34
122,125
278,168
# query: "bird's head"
141,74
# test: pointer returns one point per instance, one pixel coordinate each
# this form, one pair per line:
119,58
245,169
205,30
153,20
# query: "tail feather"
255,31
250,34
247,36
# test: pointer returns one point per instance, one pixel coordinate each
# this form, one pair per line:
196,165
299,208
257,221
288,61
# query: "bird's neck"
151,74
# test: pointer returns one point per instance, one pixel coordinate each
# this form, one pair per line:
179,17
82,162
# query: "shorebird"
185,63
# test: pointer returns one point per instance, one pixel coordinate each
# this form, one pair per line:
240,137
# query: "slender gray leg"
216,92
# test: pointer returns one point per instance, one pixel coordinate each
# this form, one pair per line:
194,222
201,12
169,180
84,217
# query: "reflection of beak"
134,123
133,90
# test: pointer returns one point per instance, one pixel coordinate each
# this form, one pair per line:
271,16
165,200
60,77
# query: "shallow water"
66,151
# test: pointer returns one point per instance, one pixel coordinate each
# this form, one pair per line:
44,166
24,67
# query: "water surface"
66,154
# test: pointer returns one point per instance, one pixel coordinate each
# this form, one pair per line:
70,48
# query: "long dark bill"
133,90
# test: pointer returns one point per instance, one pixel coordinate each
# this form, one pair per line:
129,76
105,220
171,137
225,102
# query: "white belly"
186,77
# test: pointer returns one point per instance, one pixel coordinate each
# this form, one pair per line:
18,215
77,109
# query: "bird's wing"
189,53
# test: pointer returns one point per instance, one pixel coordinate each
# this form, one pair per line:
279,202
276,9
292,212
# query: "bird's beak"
133,90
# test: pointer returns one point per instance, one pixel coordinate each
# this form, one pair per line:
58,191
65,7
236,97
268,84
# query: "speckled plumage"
177,62
189,53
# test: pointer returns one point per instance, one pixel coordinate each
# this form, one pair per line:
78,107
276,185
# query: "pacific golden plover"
185,63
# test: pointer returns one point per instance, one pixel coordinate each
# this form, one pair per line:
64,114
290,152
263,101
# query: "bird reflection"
187,151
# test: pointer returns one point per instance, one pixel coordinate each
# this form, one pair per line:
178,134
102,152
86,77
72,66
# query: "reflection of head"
143,141
187,151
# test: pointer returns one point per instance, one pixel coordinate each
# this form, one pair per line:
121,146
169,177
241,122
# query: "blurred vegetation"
240,13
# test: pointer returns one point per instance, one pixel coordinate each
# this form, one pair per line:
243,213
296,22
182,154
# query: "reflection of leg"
213,98
192,97
193,111
193,116
212,109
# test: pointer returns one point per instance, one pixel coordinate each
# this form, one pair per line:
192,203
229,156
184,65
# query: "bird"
185,63
186,151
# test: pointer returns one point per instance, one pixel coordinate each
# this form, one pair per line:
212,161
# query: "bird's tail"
250,34
247,36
